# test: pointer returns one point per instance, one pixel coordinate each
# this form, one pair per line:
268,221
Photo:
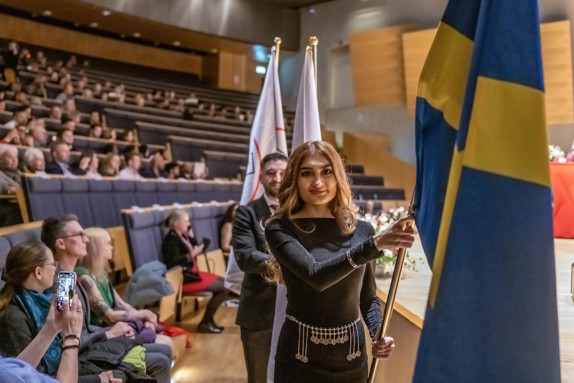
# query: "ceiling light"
137,35
94,24
47,13
106,12
176,43
214,50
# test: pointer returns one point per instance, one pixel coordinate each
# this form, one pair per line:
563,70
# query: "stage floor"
413,292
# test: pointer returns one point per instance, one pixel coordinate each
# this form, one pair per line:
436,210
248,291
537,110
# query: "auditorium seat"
167,193
205,191
191,149
101,205
75,198
146,193
12,235
186,192
224,164
43,197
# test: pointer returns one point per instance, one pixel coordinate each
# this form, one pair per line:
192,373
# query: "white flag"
267,136
307,128
307,125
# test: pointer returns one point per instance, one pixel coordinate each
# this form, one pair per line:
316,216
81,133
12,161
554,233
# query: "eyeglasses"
55,264
80,234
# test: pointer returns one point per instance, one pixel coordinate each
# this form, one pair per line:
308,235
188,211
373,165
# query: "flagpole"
277,42
314,41
391,298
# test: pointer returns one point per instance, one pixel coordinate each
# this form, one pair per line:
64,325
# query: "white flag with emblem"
267,136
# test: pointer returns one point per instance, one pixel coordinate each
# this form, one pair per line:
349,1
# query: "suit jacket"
53,168
257,302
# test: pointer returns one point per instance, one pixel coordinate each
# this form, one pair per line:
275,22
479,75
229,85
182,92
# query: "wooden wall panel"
366,149
231,71
556,60
416,47
377,66
31,32
557,64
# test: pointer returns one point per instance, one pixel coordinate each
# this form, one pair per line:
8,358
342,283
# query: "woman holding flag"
323,255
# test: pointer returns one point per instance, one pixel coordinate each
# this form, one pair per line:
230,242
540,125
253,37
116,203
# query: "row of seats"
145,228
11,236
99,202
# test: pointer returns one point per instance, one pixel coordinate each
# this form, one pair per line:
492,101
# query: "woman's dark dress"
324,290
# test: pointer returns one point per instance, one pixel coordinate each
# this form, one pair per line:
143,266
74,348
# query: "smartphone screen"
66,286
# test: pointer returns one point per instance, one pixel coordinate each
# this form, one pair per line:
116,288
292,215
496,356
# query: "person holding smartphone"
180,248
33,328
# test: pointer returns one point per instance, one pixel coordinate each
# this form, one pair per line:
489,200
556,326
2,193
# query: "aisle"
213,358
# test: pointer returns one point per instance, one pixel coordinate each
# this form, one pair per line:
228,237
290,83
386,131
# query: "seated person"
60,152
172,170
110,165
88,163
10,179
33,328
179,248
156,167
34,161
133,164
106,304
226,228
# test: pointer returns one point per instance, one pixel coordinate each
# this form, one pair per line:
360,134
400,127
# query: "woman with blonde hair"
105,303
326,260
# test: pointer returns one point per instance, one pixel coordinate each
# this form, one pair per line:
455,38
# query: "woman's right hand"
399,234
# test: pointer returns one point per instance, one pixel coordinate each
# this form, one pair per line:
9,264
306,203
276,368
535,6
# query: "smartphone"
66,287
206,242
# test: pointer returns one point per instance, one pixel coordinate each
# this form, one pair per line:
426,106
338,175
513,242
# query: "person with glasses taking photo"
65,237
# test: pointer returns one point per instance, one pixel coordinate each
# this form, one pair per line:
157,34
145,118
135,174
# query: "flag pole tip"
313,40
277,40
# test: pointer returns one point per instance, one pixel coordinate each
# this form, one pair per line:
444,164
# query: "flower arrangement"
380,222
556,154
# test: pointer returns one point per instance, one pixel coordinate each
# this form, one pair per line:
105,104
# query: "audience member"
156,169
106,304
21,97
37,130
88,163
192,99
69,105
96,131
133,164
129,136
226,228
110,165
38,86
60,152
67,240
20,117
66,135
67,93
180,248
11,58
172,170
34,161
56,112
10,181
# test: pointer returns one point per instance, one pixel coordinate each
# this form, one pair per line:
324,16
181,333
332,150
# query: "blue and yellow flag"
483,199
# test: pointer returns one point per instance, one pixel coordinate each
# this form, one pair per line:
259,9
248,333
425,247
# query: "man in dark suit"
257,303
60,152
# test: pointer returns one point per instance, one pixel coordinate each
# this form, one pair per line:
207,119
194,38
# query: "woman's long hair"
21,261
94,260
341,206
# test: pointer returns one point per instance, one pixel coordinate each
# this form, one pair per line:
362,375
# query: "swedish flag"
484,201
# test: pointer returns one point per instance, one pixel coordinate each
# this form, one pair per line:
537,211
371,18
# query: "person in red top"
180,248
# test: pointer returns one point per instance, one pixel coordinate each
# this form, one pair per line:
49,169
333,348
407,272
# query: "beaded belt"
327,336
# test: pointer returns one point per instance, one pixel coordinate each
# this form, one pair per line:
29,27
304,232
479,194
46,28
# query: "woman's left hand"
382,348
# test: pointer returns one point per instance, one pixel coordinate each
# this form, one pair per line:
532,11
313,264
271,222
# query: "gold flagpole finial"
277,42
313,41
